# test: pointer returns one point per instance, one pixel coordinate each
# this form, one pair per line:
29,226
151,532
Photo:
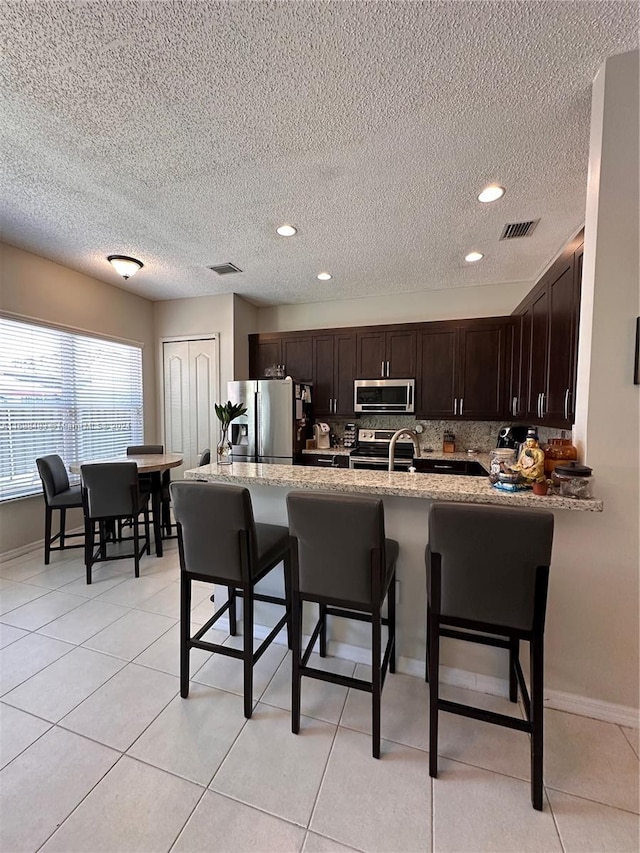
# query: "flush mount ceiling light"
472,257
324,276
124,266
491,193
286,230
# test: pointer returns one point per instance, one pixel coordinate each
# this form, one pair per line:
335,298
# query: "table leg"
156,503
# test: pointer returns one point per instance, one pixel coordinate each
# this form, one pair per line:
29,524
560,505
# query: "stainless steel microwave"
384,396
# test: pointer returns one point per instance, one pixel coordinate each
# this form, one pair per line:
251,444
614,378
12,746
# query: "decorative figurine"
530,463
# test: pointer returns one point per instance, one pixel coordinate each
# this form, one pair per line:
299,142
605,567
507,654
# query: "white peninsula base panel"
407,498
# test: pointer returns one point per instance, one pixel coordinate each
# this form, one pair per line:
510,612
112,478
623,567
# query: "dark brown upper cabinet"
547,342
297,357
386,354
264,352
463,369
334,364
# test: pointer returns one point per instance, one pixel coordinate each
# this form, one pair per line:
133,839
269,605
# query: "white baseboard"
583,706
5,556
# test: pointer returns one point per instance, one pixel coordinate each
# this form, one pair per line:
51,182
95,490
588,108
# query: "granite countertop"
442,487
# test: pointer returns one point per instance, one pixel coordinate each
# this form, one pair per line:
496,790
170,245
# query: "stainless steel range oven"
372,451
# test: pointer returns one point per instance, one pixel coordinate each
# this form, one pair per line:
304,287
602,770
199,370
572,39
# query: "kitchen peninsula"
406,502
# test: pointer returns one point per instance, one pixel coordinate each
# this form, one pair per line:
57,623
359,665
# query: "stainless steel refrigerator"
277,421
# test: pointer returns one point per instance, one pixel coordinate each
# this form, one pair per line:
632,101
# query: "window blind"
64,393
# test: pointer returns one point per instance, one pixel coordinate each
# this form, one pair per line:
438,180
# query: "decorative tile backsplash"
470,435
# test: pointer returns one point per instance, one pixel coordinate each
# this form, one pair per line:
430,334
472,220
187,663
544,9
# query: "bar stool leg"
247,628
296,618
185,629
434,655
136,547
537,708
47,534
89,544
514,654
322,613
286,569
376,681
233,612
391,619
63,524
426,659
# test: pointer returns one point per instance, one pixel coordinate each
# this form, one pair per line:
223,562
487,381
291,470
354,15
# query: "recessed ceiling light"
286,230
324,276
125,266
474,256
491,193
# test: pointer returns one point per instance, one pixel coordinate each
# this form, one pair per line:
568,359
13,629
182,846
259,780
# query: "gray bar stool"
111,493
58,494
341,560
219,542
487,574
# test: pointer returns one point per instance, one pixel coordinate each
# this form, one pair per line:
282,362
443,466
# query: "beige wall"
603,564
492,300
35,288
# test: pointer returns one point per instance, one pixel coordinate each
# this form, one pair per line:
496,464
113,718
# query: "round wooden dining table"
148,463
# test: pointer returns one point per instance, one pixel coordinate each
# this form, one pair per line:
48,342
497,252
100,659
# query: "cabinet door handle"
382,369
542,399
538,412
514,406
455,406
388,368
335,405
461,404
566,404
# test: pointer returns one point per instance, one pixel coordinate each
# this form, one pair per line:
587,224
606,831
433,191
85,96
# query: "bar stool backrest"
339,541
141,449
110,489
489,557
216,529
53,475
205,457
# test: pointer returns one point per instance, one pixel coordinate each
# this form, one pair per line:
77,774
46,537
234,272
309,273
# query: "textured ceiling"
183,133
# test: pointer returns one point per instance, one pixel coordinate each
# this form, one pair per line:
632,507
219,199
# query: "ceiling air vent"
225,269
518,229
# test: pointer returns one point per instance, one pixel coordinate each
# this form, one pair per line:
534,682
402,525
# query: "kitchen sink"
463,467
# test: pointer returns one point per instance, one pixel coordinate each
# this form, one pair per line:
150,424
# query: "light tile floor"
99,752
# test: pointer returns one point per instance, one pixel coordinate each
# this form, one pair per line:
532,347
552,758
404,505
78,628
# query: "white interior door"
190,390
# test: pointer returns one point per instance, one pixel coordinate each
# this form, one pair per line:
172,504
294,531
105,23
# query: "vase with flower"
226,413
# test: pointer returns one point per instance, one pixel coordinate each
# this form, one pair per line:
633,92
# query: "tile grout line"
329,754
555,822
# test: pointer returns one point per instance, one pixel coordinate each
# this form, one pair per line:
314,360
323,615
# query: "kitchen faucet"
409,433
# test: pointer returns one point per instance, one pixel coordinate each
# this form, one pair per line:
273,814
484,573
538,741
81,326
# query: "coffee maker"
322,435
512,436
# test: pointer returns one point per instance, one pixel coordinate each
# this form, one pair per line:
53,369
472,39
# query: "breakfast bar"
407,498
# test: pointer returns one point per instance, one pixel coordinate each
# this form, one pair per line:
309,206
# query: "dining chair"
342,561
111,493
220,542
487,579
58,495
